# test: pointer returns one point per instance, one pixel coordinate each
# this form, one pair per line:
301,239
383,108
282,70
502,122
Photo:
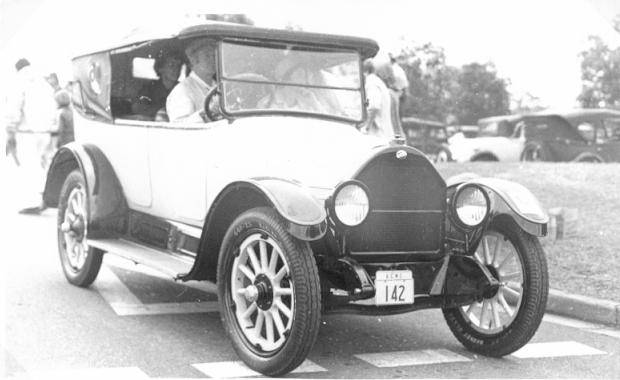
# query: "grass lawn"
587,263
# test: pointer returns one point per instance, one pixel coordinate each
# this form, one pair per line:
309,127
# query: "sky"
534,44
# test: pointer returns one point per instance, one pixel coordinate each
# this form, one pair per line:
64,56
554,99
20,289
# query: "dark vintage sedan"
431,137
581,135
288,228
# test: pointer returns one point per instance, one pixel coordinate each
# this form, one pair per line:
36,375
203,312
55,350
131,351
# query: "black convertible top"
197,28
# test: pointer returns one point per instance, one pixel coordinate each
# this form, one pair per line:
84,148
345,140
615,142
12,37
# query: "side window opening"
612,126
587,131
138,92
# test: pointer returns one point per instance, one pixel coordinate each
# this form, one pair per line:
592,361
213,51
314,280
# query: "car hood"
316,153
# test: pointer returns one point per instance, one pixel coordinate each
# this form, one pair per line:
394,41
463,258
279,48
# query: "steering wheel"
210,95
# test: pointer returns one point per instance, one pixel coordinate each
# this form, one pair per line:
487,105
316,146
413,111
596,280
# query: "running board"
157,259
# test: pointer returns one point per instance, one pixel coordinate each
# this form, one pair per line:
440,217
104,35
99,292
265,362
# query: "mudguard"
510,198
106,202
304,216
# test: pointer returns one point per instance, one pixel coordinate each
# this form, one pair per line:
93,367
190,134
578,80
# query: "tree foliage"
600,75
480,93
442,92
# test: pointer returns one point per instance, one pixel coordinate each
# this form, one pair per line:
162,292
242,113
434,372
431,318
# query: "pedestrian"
64,119
379,107
384,70
31,120
401,83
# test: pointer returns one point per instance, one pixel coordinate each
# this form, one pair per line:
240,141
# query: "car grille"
408,203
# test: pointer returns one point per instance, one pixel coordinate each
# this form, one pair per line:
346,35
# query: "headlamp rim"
332,203
458,191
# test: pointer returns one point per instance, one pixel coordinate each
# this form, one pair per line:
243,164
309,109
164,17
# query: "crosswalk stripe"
90,374
555,349
234,369
122,309
125,303
120,262
410,358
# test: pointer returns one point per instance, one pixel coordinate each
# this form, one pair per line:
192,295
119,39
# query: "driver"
186,101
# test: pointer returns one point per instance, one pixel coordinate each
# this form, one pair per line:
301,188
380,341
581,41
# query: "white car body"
160,184
505,149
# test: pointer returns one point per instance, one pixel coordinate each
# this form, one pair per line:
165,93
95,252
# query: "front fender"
305,214
515,200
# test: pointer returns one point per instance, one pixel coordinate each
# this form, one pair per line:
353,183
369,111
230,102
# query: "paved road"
132,323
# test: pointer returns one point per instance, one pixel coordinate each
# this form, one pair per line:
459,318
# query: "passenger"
186,100
152,96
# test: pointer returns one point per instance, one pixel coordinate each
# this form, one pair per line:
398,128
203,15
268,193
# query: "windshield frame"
270,112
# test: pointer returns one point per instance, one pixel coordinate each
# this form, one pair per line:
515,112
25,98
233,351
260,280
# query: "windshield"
291,78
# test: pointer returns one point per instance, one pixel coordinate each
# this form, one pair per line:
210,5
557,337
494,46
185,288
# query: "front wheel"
269,293
80,262
534,151
506,320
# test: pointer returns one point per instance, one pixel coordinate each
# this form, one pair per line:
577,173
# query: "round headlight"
471,205
351,204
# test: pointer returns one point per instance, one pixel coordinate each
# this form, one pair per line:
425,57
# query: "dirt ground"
588,262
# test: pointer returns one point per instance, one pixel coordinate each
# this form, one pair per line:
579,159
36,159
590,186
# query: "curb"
584,308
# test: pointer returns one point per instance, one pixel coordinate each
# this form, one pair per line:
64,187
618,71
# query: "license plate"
393,287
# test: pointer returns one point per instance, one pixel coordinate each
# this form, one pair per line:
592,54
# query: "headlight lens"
471,205
351,204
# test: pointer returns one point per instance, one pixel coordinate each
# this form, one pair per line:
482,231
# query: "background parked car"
431,137
497,139
583,135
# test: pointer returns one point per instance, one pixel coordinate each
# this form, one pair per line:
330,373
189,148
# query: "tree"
442,92
600,75
431,81
480,93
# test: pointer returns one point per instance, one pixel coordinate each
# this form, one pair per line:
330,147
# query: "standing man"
31,120
379,122
186,100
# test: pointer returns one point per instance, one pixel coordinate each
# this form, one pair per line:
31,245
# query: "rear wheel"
80,263
268,287
506,320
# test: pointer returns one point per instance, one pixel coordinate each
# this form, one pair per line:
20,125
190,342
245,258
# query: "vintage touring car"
288,208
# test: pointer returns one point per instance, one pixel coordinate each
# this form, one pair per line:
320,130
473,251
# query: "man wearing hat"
186,100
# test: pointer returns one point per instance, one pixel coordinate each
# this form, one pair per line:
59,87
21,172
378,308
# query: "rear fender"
106,204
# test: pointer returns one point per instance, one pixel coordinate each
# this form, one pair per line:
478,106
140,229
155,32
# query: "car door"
564,142
608,140
182,162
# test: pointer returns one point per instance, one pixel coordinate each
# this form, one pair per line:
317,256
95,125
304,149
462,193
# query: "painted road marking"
120,262
582,325
239,369
125,303
89,373
555,349
408,358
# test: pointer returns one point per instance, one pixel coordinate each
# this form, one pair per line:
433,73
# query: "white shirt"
186,100
31,106
379,99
